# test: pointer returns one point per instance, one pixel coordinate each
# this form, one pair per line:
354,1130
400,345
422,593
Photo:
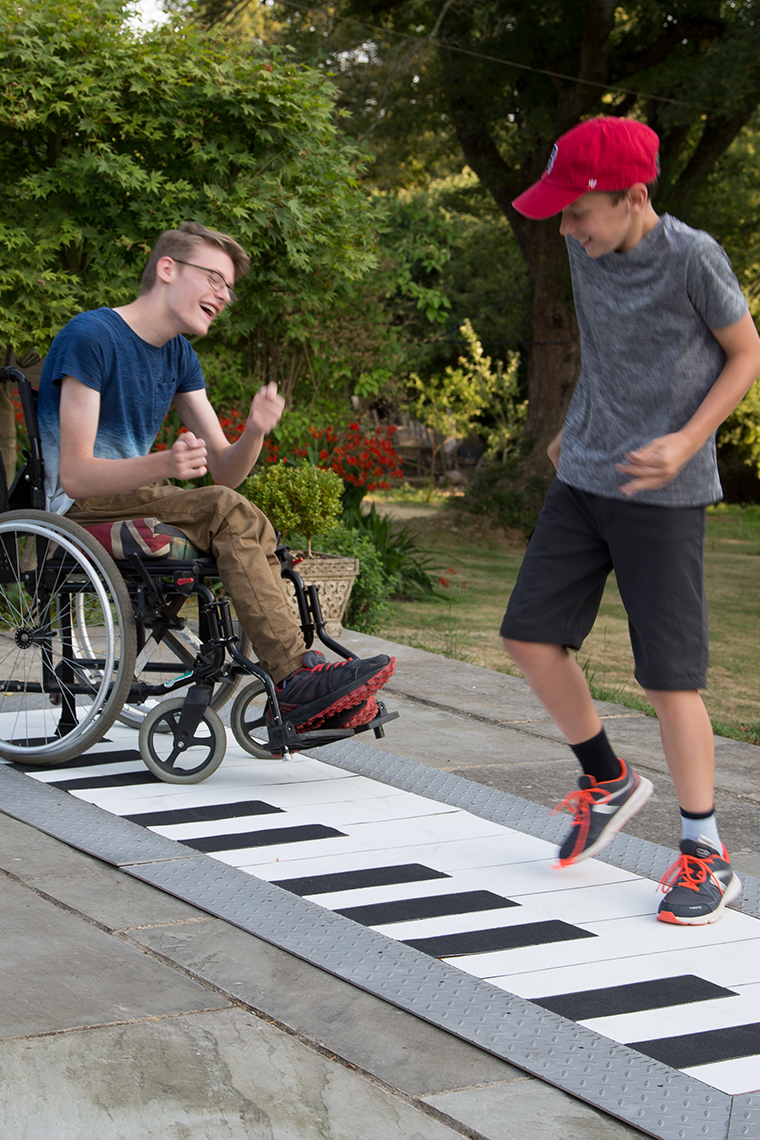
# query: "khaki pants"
242,540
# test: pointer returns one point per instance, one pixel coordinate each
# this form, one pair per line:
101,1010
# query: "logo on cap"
591,183
552,158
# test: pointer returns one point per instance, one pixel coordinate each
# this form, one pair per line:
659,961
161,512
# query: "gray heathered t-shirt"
648,357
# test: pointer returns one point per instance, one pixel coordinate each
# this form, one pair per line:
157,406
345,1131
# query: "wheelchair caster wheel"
179,758
248,720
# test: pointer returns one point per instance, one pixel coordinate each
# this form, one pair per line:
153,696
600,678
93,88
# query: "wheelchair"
86,640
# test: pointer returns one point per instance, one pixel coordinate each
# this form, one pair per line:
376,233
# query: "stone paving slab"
60,972
226,1075
83,883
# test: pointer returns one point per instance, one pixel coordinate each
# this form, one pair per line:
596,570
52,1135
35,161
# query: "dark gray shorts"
657,554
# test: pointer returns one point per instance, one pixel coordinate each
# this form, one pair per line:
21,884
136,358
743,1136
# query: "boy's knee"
222,497
240,516
531,652
519,651
226,502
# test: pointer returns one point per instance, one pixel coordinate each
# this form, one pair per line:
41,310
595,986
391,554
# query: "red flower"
364,460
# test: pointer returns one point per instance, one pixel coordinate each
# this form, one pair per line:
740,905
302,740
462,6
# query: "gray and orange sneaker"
601,810
319,690
698,886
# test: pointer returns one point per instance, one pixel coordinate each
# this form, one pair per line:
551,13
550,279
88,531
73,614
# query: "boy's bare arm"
84,476
230,463
658,462
554,449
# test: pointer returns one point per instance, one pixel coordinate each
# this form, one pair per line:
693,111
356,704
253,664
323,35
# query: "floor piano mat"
580,942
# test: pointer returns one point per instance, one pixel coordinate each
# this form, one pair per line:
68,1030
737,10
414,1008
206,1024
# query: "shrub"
508,497
405,564
739,450
368,605
364,462
297,498
452,404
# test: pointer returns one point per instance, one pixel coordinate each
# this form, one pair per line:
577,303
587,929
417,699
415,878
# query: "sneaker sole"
354,716
641,795
732,891
348,700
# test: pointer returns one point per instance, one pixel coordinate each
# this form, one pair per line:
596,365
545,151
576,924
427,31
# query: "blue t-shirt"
137,382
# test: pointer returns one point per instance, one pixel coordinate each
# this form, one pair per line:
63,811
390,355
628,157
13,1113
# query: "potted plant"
302,501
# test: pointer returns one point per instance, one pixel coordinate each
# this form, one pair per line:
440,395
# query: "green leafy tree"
108,136
450,405
360,344
502,80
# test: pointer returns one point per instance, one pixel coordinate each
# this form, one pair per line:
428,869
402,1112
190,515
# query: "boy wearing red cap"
668,350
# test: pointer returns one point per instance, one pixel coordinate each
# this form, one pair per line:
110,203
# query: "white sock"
706,829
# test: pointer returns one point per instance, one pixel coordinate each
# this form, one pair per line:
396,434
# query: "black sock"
597,758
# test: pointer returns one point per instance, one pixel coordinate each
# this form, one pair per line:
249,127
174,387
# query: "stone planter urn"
335,575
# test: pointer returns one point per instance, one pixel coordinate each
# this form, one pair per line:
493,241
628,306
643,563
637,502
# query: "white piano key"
676,1020
623,939
732,1077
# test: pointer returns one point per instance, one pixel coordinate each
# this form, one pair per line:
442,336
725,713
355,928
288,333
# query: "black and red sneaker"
320,690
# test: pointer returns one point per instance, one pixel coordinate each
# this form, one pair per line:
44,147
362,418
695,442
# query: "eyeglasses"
214,278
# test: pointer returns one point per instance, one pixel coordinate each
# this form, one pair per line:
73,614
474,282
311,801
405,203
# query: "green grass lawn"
479,567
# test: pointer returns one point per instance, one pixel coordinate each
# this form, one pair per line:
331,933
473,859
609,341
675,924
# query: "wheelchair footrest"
286,735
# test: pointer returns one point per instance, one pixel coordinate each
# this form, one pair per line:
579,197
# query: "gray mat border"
612,1077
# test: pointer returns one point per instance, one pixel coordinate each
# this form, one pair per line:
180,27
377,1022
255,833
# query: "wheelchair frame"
82,628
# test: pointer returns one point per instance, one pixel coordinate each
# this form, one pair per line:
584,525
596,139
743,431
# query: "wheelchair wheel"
56,702
178,651
175,757
248,720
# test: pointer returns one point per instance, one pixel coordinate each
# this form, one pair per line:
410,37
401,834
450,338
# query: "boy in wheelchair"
107,383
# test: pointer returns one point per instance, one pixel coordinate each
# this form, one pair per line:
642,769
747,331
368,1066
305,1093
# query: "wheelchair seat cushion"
149,538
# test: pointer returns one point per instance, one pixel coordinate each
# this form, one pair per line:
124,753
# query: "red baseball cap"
599,154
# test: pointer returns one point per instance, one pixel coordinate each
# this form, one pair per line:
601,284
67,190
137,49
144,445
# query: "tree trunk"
553,351
554,356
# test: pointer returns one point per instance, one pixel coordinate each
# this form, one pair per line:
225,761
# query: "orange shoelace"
689,870
580,802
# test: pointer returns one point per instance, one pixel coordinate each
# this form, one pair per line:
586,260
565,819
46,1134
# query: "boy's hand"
656,464
188,457
266,408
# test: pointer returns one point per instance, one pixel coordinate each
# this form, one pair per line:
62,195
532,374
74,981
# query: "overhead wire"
423,39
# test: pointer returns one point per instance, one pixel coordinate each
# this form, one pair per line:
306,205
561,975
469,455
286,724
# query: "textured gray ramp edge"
81,824
628,1085
745,1117
638,856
